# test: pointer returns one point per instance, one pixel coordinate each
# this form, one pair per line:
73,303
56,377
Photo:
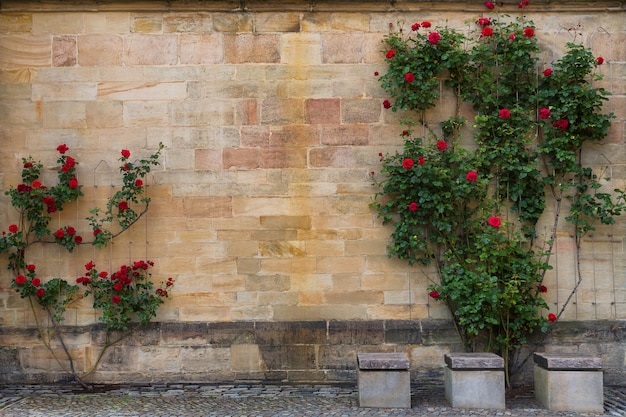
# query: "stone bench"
384,380
474,380
569,382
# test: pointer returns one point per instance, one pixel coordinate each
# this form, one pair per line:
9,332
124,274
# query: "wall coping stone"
294,5
473,361
383,361
567,361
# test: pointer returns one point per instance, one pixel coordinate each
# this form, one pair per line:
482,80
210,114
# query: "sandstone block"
100,50
248,48
19,51
144,49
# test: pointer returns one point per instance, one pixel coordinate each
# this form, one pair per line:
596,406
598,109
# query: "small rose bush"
472,212
125,298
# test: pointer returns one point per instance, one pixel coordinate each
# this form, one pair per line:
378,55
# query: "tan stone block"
301,49
311,283
109,114
63,92
252,48
18,51
201,112
242,248
277,22
100,50
194,313
260,313
270,298
142,113
16,22
107,22
282,111
69,114
204,359
324,247
316,22
342,48
244,206
294,135
245,358
22,113
202,49
233,22
366,247
360,111
327,312
332,156
196,22
52,23
385,282
143,49
146,23
354,297
208,265
389,312
288,266
311,298
337,265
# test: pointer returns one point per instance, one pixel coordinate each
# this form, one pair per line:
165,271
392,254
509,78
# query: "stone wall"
273,121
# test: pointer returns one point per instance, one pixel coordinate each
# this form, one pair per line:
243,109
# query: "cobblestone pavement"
253,400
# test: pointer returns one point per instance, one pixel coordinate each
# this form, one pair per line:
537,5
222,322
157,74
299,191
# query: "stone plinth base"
474,380
569,382
384,380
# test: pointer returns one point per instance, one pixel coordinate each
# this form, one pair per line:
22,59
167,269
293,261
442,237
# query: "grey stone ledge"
567,361
383,361
474,361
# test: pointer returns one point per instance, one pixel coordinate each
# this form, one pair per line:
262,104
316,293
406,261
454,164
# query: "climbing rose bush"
472,212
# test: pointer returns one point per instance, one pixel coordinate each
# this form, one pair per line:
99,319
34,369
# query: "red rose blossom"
78,239
59,234
486,32
544,113
28,165
420,160
561,124
386,104
116,299
138,183
413,206
408,163
551,317
494,221
36,282
547,72
425,24
36,184
512,36
62,148
599,60
415,26
409,77
435,295
483,21
20,280
96,232
471,176
504,113
30,267
123,205
103,274
489,5
40,292
118,287
390,54
543,288
73,183
125,153
376,73
442,145
70,230
13,228
89,266
529,32
433,37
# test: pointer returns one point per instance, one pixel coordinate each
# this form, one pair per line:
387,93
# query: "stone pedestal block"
474,380
384,380
569,382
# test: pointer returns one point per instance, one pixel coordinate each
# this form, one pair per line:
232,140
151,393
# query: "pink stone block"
201,49
64,51
151,50
247,48
100,50
322,111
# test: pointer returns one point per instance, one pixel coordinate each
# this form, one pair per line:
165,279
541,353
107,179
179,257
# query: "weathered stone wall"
273,121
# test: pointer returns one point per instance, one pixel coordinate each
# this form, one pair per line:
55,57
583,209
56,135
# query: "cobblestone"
253,400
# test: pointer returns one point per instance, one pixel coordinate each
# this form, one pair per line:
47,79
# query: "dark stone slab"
290,333
356,332
567,361
382,361
474,361
403,332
